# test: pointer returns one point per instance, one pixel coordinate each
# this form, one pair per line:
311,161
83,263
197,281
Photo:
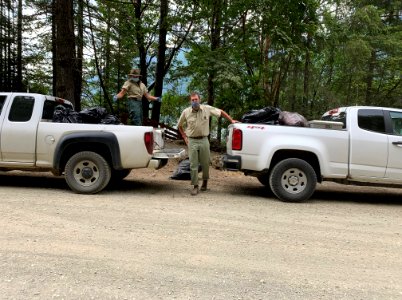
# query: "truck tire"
87,172
293,180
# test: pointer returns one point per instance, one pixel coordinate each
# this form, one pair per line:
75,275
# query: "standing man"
135,90
195,120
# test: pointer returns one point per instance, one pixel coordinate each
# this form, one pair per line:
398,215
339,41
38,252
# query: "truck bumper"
157,163
160,157
232,162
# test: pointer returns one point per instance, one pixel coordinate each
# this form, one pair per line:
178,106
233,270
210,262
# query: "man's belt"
134,98
197,137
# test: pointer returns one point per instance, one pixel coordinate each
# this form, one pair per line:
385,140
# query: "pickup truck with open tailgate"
88,155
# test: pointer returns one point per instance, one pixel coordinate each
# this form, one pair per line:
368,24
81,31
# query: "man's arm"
181,129
227,117
121,93
150,97
183,134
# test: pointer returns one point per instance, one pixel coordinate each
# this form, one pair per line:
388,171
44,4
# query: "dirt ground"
147,238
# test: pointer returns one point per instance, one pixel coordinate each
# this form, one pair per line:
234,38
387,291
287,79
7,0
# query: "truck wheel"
293,180
87,172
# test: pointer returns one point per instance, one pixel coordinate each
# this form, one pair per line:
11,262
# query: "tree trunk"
54,48
19,86
65,50
306,80
142,51
266,44
160,66
215,44
369,78
98,67
80,55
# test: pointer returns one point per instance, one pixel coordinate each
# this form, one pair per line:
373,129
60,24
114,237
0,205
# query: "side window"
48,110
21,109
396,118
49,107
2,100
371,119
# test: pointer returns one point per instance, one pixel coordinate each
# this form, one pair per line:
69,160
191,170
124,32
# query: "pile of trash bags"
274,116
183,170
94,115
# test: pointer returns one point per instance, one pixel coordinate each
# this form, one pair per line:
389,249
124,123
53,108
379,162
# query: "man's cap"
135,72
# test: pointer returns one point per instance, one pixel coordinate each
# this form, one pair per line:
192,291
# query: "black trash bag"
266,115
292,119
183,170
63,114
111,119
93,115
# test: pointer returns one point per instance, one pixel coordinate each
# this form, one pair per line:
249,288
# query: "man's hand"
159,99
114,98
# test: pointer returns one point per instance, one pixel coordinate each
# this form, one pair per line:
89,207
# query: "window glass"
396,118
48,109
21,109
2,100
371,119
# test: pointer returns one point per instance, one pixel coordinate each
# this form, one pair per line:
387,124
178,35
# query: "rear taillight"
149,141
237,139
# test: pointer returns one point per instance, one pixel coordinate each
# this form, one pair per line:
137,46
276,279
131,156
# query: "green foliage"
305,56
172,106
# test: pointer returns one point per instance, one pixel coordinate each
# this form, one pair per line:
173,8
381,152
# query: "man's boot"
204,185
194,191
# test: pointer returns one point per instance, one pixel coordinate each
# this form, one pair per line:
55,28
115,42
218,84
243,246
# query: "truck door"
368,144
394,165
18,131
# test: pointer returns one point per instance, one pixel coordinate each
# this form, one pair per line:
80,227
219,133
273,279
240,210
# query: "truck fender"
87,141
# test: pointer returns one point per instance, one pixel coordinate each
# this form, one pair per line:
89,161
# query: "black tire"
293,180
87,172
120,174
263,179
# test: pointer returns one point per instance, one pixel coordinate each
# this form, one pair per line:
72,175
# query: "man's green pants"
199,153
135,111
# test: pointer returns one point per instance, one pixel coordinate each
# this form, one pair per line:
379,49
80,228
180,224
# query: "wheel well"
309,157
72,149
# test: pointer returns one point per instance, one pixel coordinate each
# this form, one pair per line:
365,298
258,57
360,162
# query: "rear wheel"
87,172
293,180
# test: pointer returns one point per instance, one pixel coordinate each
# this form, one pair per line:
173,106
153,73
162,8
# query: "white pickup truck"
89,155
366,149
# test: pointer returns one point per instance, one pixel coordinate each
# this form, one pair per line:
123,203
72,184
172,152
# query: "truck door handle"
397,143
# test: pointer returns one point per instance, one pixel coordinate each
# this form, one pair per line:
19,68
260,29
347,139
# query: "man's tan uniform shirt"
135,90
197,122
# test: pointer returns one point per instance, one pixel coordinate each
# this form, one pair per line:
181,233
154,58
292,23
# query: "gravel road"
149,239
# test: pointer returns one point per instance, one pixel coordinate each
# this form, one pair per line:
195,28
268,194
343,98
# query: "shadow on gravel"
49,181
39,180
341,193
150,186
388,196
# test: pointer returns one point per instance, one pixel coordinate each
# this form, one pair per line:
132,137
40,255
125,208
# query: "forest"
306,56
